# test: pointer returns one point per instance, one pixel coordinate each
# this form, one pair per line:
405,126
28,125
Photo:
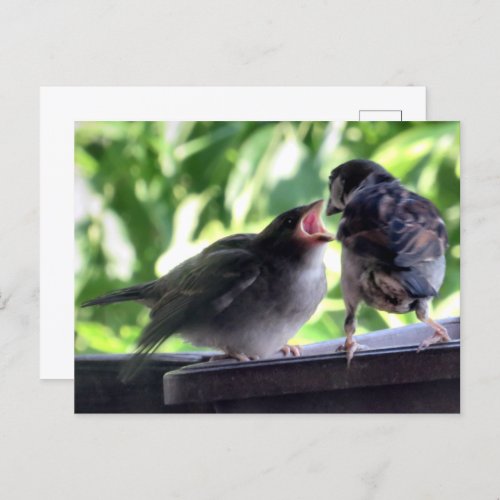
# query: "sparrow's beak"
311,226
331,208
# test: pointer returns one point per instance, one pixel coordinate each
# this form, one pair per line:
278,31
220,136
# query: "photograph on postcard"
270,267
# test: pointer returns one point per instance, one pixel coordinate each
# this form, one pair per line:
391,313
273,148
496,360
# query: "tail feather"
135,363
132,367
137,292
417,285
148,293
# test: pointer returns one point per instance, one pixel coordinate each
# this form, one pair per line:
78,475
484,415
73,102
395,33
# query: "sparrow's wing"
204,287
388,223
363,228
417,232
199,288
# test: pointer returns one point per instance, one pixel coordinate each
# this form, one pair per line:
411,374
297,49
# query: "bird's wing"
417,232
199,288
363,228
210,282
388,223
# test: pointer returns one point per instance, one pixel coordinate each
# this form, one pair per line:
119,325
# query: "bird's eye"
289,222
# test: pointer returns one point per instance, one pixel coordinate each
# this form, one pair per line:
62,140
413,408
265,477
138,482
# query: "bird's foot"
350,347
439,336
239,356
294,350
218,357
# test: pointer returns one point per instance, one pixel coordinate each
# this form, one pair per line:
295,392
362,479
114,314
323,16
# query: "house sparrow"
393,245
245,294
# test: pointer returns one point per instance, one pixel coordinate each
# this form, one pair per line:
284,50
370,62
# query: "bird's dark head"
300,229
346,179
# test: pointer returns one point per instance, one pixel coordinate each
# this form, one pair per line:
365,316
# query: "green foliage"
151,194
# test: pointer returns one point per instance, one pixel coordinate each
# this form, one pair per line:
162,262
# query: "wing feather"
395,226
202,286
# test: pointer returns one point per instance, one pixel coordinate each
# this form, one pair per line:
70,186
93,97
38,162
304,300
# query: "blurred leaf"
98,337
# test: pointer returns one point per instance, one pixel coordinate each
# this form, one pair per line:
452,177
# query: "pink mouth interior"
311,224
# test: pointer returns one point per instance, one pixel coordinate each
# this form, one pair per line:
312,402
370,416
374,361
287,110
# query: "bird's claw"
350,348
294,350
438,337
238,356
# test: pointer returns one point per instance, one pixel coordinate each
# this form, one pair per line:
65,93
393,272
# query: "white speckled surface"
49,453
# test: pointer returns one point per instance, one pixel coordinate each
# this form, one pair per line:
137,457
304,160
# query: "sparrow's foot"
440,335
239,356
294,350
219,357
350,347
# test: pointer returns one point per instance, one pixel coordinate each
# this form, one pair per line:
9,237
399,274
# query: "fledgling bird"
245,294
393,246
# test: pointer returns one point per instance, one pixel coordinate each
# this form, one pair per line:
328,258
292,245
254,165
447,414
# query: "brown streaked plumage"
393,246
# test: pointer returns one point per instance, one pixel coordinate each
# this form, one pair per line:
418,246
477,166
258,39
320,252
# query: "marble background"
46,452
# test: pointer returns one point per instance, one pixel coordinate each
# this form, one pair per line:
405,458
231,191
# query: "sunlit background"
151,194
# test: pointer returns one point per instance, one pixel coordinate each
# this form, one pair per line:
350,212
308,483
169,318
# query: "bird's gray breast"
268,313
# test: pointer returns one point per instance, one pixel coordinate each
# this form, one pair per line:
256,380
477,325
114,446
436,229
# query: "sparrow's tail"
147,293
134,365
417,285
165,322
137,292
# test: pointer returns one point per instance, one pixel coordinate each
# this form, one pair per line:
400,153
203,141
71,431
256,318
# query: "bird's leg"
440,333
293,349
350,346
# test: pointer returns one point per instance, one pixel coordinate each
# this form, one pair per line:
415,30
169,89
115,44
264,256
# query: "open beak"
311,226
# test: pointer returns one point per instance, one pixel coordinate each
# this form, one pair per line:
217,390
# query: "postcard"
63,108
267,266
